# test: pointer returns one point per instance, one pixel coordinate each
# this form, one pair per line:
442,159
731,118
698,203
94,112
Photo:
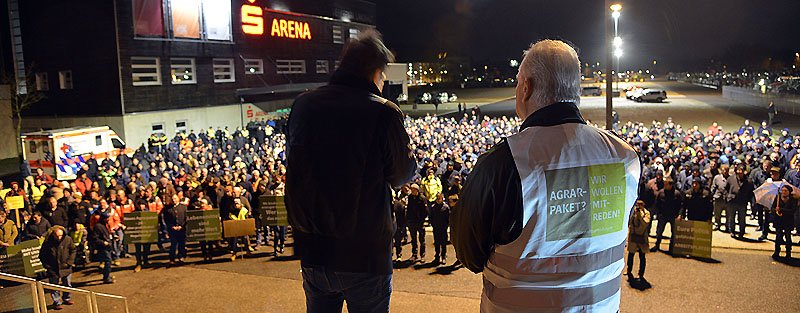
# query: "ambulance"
62,152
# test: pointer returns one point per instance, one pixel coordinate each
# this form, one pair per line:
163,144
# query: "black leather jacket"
346,148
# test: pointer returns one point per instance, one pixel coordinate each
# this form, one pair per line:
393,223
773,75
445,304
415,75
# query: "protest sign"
273,211
22,259
692,238
142,227
239,228
203,226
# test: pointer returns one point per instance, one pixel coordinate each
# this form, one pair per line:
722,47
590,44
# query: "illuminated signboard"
253,24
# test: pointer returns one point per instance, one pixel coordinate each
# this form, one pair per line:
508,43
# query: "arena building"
141,66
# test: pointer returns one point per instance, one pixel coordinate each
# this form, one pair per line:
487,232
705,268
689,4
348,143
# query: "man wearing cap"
544,213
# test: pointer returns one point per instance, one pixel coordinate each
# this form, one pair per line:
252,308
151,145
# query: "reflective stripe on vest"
578,185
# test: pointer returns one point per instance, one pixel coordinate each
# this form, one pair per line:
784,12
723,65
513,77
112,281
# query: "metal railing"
27,281
40,300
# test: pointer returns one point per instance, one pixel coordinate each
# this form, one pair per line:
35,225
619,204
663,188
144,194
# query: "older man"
58,258
544,213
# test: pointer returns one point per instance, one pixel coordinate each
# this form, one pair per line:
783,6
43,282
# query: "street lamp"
615,14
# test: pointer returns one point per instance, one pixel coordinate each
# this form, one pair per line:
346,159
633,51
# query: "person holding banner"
101,241
697,204
238,213
142,250
8,232
784,208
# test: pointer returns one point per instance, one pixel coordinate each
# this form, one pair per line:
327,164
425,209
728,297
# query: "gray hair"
555,69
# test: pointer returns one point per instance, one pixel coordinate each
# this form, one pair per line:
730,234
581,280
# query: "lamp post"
615,13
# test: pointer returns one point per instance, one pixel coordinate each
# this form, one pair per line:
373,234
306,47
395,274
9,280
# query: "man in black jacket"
668,204
58,257
175,219
416,212
740,190
55,214
346,147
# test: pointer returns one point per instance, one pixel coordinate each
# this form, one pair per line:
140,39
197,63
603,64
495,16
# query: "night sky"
680,34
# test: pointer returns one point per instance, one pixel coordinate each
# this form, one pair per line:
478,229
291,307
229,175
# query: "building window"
146,71
338,36
353,33
182,71
291,66
158,128
65,80
322,66
148,18
217,19
336,64
253,66
180,126
223,71
41,82
185,18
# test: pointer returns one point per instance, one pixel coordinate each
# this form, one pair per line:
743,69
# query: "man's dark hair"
363,55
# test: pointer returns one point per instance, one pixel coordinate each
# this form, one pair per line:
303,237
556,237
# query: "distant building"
142,66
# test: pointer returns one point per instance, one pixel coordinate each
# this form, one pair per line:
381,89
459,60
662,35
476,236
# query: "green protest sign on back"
22,259
273,211
203,226
141,227
585,201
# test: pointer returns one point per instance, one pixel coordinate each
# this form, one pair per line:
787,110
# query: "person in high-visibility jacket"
431,186
544,213
238,213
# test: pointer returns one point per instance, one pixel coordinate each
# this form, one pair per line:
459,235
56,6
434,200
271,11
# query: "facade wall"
139,126
265,47
8,136
76,36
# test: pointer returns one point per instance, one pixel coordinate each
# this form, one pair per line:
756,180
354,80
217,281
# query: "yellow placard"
15,202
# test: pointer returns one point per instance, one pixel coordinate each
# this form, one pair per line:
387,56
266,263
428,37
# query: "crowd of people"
689,173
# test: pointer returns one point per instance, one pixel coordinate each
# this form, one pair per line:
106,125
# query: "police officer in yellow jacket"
544,213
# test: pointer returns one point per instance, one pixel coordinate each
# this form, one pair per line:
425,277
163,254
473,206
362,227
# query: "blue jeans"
326,291
65,281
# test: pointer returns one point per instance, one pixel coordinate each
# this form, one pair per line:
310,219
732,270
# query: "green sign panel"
273,211
203,226
22,259
141,227
585,201
692,238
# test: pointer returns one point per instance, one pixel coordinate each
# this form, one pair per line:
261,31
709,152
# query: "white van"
62,152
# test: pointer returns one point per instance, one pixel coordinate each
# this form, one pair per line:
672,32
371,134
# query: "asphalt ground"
687,104
740,277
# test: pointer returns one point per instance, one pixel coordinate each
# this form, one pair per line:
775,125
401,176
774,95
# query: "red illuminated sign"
253,24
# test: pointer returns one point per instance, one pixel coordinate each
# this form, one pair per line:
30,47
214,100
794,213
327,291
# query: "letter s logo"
252,19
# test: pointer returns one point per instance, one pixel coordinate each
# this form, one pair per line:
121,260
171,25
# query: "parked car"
424,98
632,92
439,97
591,91
656,95
402,98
